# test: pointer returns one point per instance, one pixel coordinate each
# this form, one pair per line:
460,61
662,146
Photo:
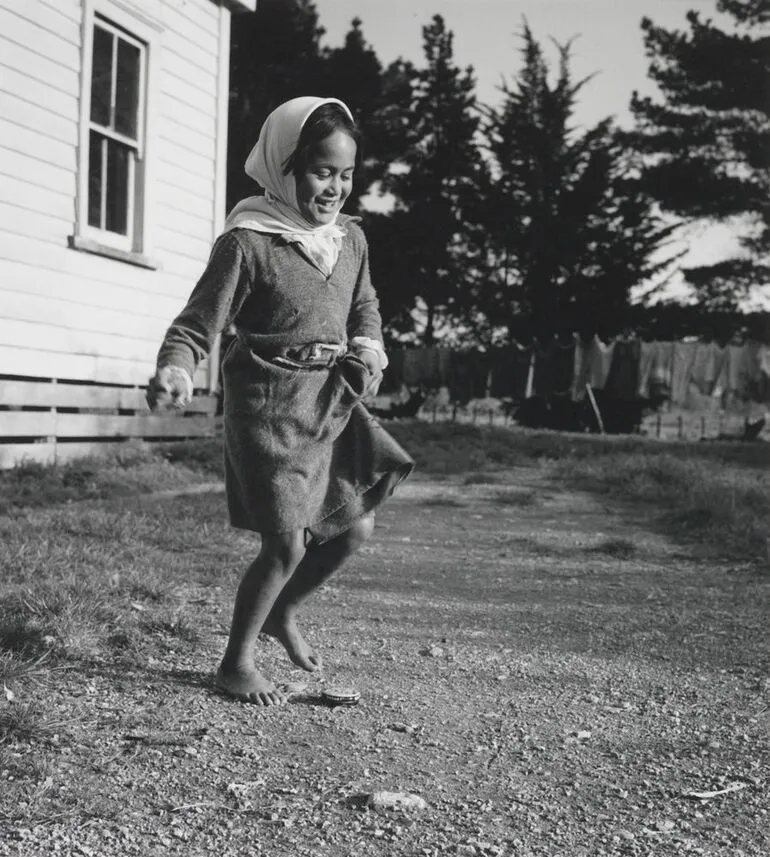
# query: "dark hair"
321,123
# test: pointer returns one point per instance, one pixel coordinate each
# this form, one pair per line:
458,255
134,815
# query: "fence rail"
51,421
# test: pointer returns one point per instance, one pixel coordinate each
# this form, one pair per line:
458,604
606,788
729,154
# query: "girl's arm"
212,306
364,321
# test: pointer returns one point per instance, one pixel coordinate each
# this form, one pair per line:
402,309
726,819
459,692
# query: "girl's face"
325,183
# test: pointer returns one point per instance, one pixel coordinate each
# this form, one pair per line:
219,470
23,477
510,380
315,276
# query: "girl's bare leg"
318,564
261,585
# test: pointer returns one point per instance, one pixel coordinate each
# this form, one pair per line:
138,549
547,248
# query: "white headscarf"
278,210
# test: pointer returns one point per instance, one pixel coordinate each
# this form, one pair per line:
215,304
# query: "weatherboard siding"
77,316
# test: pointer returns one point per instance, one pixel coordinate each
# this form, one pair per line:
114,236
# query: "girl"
305,463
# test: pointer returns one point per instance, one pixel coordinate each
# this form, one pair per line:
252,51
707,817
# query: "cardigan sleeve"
364,318
212,306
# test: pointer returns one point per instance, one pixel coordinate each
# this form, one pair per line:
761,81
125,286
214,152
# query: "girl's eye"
323,174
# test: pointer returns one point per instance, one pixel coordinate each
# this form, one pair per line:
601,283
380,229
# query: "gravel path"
547,673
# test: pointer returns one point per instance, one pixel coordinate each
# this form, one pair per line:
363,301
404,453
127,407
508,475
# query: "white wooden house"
113,136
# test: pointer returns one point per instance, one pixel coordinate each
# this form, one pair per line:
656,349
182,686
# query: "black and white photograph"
385,428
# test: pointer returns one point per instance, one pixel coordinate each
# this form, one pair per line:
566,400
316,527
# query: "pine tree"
439,171
707,144
275,55
354,74
570,232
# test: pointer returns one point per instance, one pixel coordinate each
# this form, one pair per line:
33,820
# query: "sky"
606,43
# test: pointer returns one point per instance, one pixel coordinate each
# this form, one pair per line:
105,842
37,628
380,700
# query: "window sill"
88,245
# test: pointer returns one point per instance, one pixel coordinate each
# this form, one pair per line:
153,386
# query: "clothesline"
684,373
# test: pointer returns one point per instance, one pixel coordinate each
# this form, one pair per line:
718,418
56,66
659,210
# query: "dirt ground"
549,674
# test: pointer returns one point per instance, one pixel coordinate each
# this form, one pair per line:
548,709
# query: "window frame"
118,17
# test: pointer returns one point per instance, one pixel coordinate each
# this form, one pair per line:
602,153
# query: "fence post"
434,413
680,427
475,414
491,417
702,427
454,412
657,425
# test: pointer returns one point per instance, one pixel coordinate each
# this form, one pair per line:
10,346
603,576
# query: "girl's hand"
171,387
372,361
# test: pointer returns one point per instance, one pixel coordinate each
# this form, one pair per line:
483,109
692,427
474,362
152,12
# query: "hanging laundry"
442,367
579,364
684,356
599,362
755,366
623,377
461,376
554,368
509,372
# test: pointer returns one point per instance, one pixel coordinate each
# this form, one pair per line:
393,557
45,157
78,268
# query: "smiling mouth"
327,203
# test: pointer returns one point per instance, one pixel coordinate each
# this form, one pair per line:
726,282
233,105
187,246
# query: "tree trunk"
427,337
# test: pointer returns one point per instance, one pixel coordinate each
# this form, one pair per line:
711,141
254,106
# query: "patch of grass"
482,478
618,548
14,667
529,545
203,455
450,502
455,448
714,502
131,470
173,624
711,490
50,619
520,498
27,721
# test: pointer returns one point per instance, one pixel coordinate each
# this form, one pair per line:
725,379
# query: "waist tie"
316,355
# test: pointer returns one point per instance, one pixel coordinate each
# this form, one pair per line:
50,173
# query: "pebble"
432,652
396,800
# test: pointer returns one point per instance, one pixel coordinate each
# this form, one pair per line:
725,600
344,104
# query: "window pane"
117,187
101,77
127,93
95,180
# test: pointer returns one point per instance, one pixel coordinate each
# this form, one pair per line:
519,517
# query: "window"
114,149
113,181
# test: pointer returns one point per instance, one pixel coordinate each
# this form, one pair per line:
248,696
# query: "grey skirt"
301,450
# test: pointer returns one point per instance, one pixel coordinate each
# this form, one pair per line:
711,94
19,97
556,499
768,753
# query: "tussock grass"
173,624
27,721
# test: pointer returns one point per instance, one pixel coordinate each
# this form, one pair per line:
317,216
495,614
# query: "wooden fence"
52,421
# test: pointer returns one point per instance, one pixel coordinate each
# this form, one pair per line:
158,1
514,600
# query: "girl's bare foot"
285,630
248,685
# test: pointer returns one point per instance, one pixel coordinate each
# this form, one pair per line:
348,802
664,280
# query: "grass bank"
715,493
712,492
